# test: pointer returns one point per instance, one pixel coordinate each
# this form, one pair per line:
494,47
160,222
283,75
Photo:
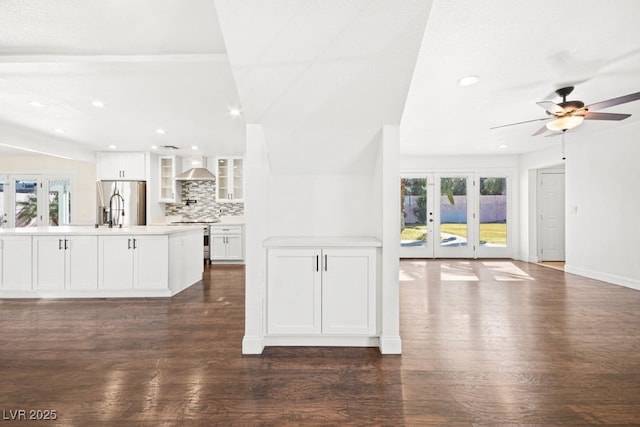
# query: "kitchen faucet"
119,199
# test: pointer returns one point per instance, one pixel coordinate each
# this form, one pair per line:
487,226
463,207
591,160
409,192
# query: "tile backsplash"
205,207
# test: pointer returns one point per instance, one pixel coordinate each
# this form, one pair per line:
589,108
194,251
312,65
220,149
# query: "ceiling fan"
570,114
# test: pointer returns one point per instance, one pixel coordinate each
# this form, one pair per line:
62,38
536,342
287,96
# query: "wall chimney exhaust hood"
198,171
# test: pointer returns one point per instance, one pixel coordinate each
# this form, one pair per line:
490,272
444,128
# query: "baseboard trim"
252,345
627,282
320,341
390,345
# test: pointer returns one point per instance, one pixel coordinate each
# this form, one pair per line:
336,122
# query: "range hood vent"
198,172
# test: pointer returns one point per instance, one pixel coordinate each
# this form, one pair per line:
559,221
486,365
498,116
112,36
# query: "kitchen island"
89,262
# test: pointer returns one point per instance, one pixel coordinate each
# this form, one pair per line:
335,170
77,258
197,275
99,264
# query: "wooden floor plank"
485,342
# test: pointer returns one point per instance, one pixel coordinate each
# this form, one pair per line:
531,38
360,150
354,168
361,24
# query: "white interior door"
551,216
453,217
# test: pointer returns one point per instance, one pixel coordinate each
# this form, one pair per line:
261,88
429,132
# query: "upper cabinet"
121,167
229,178
168,186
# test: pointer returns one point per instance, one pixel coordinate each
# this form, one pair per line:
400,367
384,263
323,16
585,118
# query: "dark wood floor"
485,343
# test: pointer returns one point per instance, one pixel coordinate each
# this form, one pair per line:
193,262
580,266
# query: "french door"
34,201
454,215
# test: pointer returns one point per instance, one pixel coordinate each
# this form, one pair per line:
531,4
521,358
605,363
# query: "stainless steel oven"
207,249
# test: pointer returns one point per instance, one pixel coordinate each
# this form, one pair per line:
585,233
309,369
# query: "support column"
390,342
256,175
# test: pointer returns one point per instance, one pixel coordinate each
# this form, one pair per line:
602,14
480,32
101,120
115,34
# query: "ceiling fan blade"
519,123
614,101
605,116
551,107
540,131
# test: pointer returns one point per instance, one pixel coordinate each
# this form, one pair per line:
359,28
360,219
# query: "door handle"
134,243
65,244
59,244
317,262
325,262
128,243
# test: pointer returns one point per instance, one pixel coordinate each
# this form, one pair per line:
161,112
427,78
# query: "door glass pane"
26,203
223,178
453,211
493,212
413,228
237,179
59,202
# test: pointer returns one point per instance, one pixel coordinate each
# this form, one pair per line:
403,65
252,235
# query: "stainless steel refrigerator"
122,203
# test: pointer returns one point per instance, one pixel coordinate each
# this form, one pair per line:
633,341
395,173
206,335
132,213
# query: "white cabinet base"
320,294
321,341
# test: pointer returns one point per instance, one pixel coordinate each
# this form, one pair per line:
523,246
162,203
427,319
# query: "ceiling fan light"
565,123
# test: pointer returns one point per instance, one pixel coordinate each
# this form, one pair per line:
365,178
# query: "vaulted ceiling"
322,76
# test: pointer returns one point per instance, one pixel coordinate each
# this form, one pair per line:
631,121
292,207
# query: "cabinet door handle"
134,243
65,244
317,262
325,262
59,244
128,243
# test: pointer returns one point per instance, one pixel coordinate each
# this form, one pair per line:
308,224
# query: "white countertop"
324,241
83,230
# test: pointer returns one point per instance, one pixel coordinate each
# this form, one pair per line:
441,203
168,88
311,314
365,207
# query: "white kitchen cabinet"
321,291
170,189
15,262
229,179
121,166
226,243
65,262
133,262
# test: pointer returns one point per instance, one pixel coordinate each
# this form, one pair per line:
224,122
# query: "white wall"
409,164
603,206
83,173
321,205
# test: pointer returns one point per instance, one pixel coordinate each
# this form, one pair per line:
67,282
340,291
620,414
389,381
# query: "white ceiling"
154,65
522,51
322,76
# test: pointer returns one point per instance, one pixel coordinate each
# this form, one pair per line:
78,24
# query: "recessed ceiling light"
503,146
160,131
194,147
235,112
154,147
36,104
468,80
112,147
97,104
58,130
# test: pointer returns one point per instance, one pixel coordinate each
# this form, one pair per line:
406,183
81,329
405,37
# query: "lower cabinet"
65,262
321,291
15,262
133,262
226,243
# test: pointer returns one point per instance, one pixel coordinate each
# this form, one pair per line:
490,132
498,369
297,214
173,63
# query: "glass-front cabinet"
167,170
229,179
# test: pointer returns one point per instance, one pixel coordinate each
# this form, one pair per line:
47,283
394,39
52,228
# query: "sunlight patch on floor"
506,271
458,271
